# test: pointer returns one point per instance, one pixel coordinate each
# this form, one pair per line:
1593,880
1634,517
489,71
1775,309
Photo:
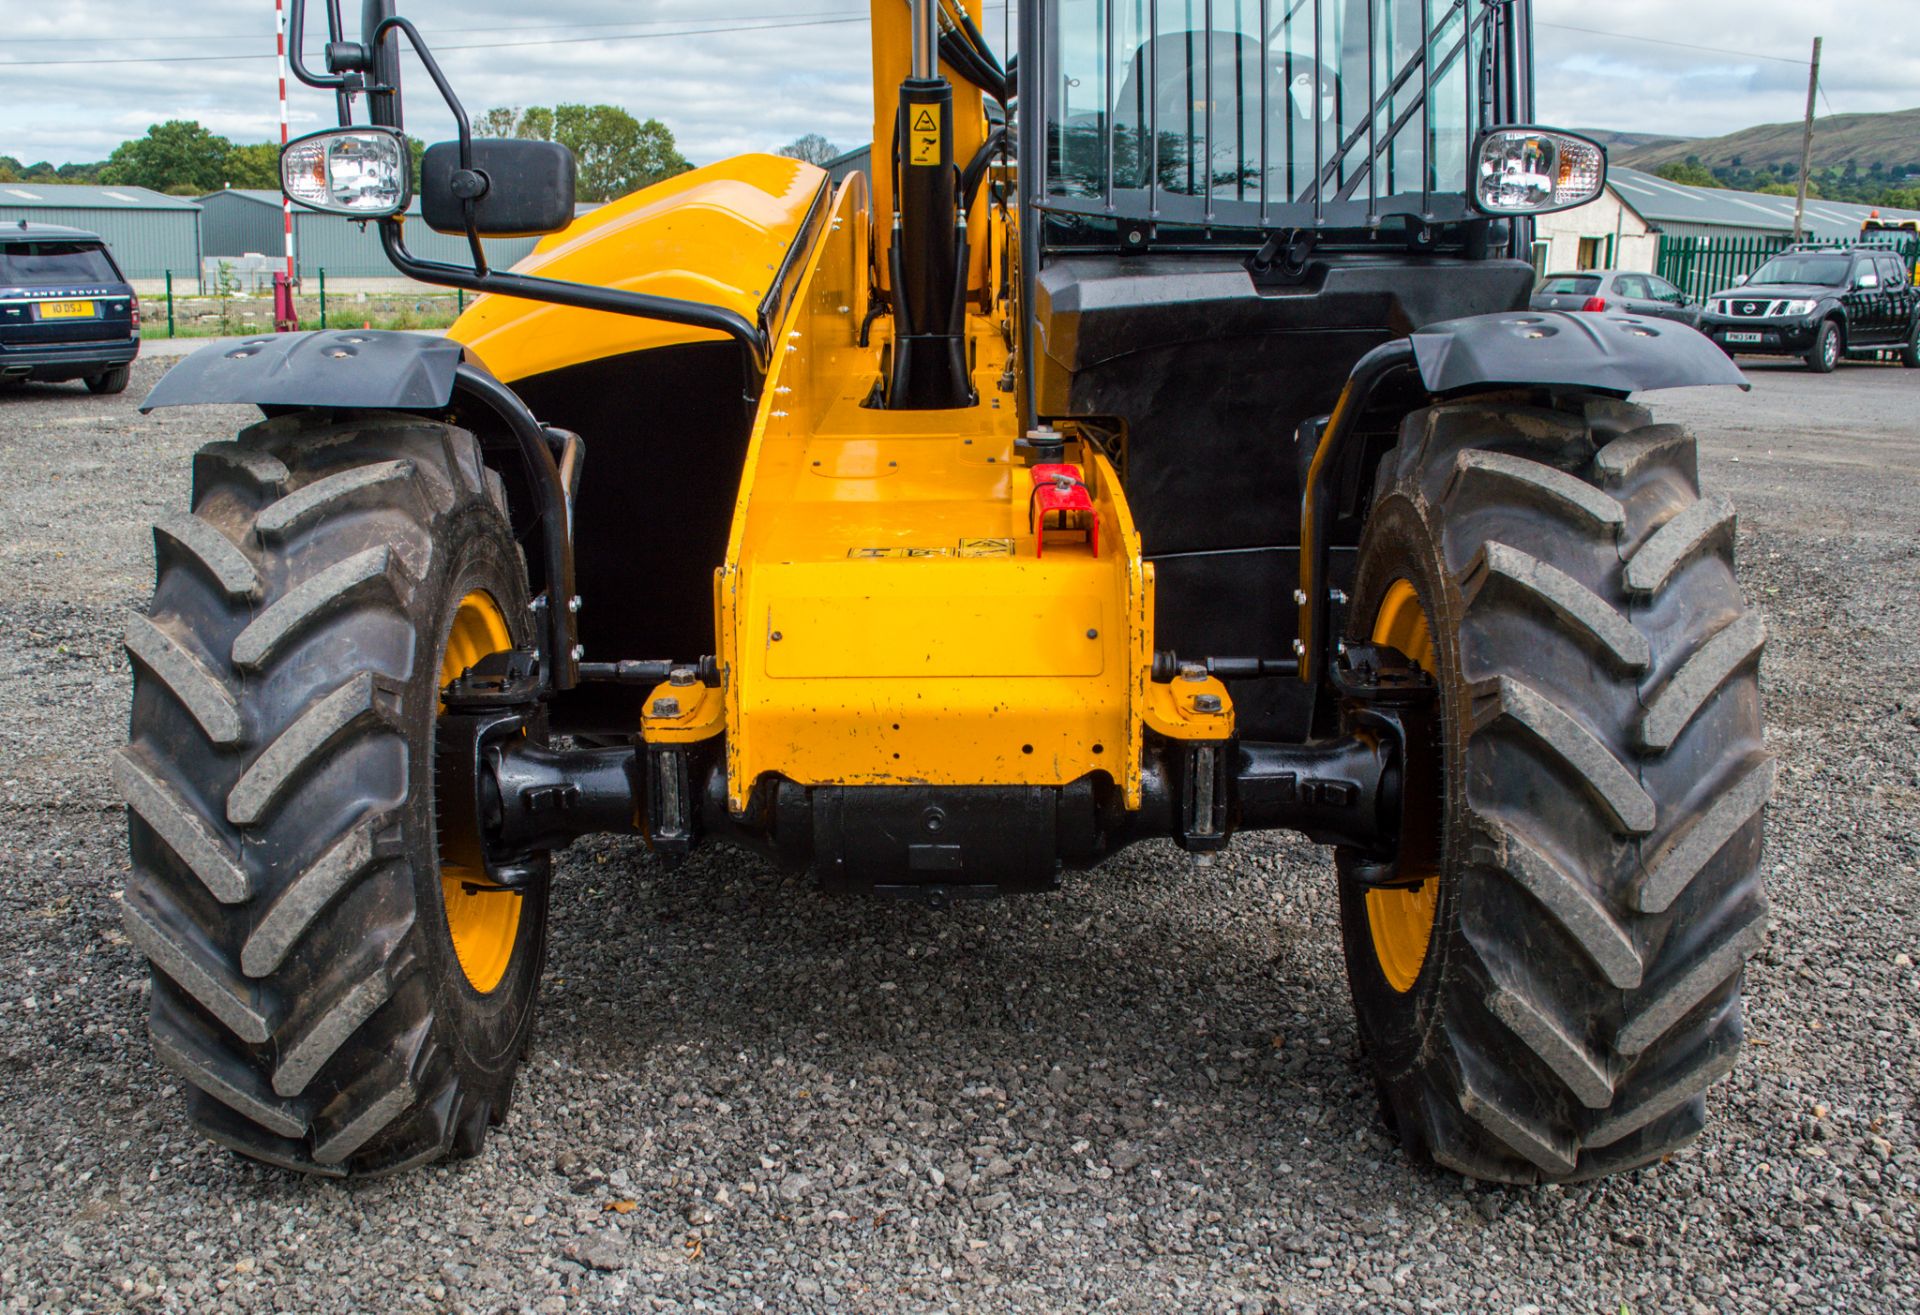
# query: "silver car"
1616,292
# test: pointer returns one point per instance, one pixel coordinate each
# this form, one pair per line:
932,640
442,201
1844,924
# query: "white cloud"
745,89
1631,82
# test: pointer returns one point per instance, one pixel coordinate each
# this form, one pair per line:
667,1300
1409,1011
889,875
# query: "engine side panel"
720,235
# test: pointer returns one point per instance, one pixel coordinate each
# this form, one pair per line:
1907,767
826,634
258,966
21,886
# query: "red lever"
1058,487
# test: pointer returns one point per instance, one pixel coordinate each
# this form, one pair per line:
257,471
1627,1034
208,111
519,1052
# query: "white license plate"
1746,337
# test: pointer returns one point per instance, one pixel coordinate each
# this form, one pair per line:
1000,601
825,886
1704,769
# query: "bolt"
1193,671
776,636
1206,703
1299,648
1340,647
579,651
1300,597
682,676
573,603
665,707
1338,596
538,605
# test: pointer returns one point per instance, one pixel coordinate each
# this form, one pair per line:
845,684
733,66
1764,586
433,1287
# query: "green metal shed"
246,221
151,234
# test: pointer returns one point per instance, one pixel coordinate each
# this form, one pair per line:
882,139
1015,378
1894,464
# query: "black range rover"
65,310
1820,304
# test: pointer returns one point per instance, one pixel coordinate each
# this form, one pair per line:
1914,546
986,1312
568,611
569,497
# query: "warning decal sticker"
923,136
966,548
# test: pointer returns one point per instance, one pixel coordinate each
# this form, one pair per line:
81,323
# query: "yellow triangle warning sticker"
925,138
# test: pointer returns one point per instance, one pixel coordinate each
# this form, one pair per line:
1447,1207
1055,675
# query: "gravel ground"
1144,1093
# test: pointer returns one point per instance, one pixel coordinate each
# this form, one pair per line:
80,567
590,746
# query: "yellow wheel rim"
483,922
1402,920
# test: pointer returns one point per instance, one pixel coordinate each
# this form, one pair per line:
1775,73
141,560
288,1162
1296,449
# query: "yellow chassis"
884,614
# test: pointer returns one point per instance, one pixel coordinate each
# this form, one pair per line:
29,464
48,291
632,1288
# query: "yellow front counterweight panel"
886,617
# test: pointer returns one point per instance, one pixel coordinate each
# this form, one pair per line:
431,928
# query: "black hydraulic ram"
929,260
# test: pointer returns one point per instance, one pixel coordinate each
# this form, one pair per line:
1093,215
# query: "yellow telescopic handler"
1153,443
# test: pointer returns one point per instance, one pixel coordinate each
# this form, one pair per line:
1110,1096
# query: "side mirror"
518,188
1739,280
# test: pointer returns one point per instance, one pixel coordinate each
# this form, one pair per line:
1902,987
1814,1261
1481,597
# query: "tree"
616,152
535,123
254,166
1690,172
1788,189
813,148
176,156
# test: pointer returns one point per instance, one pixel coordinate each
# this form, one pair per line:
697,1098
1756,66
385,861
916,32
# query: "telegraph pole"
1806,145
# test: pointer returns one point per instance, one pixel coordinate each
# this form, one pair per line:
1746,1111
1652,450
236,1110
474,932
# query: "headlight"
365,173
1796,308
1535,171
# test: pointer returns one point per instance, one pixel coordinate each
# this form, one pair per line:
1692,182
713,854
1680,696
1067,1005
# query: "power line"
490,45
521,27
1659,41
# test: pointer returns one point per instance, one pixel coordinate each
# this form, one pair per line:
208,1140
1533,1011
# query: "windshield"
1571,285
1828,269
27,264
1251,113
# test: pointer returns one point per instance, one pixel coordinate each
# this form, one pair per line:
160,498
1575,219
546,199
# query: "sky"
740,75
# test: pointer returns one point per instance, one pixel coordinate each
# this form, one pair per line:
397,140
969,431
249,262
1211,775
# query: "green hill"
1891,141
1618,143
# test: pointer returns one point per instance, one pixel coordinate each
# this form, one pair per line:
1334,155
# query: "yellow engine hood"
718,235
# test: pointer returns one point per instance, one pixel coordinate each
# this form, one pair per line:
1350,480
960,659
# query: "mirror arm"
482,278
334,80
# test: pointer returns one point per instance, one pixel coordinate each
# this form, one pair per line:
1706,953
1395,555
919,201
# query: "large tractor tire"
334,1000
1562,987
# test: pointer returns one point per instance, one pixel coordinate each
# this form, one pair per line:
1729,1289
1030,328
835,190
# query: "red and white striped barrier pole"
286,320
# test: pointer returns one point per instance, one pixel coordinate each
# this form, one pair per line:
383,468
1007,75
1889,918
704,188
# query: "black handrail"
1317,499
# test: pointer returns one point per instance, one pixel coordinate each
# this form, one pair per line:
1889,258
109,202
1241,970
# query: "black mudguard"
1618,354
345,369
378,370
1611,354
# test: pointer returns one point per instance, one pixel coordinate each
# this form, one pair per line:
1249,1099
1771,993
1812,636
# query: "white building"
1608,232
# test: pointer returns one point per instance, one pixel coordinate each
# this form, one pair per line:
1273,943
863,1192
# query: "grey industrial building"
151,234
1679,210
245,221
